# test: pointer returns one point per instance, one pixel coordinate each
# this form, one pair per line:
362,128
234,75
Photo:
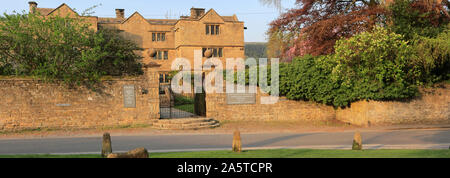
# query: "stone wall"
27,104
217,108
432,107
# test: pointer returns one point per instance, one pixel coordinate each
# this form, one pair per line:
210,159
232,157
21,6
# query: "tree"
371,65
62,49
412,18
318,24
255,50
121,57
275,3
315,25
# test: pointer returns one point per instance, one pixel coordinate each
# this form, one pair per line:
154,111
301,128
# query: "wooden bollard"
106,145
357,141
237,146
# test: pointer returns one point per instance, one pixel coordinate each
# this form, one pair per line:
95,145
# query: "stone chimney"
33,5
197,12
120,13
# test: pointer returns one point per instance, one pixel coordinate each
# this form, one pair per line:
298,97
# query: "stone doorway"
182,111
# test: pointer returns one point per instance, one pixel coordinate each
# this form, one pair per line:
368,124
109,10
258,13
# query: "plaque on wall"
129,96
63,104
241,98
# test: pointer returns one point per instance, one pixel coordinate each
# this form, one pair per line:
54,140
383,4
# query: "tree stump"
136,153
237,146
357,141
106,145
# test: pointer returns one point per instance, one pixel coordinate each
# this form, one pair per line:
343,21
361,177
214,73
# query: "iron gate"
174,105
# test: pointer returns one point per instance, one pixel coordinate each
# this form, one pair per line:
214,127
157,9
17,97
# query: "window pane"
215,52
217,29
159,37
163,37
153,36
159,55
166,55
212,29
220,52
203,52
161,78
166,78
207,29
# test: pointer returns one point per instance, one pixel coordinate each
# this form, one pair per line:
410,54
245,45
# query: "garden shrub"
63,49
183,100
432,63
308,78
375,65
416,18
120,57
371,65
426,27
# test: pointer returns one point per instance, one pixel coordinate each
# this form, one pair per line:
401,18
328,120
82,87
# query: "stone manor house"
164,40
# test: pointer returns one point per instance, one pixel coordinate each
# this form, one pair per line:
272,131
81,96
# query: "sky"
255,15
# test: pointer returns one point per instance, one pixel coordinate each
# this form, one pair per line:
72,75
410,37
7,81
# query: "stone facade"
433,107
181,36
28,104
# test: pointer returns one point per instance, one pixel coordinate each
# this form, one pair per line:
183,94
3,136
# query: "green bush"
371,65
433,58
309,78
119,56
410,19
183,100
375,65
62,49
426,29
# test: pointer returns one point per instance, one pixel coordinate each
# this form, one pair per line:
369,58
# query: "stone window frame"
161,55
158,36
165,55
217,51
166,78
163,77
212,29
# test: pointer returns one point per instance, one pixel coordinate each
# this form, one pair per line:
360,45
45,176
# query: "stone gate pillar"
151,73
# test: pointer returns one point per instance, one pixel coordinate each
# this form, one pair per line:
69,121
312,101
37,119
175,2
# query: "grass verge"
277,153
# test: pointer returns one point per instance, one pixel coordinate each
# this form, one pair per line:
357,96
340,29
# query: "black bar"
176,167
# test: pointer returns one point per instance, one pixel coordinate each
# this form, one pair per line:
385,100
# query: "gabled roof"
133,15
224,18
44,11
150,21
62,5
49,11
210,11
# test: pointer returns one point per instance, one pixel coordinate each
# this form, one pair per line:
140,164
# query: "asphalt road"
400,139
